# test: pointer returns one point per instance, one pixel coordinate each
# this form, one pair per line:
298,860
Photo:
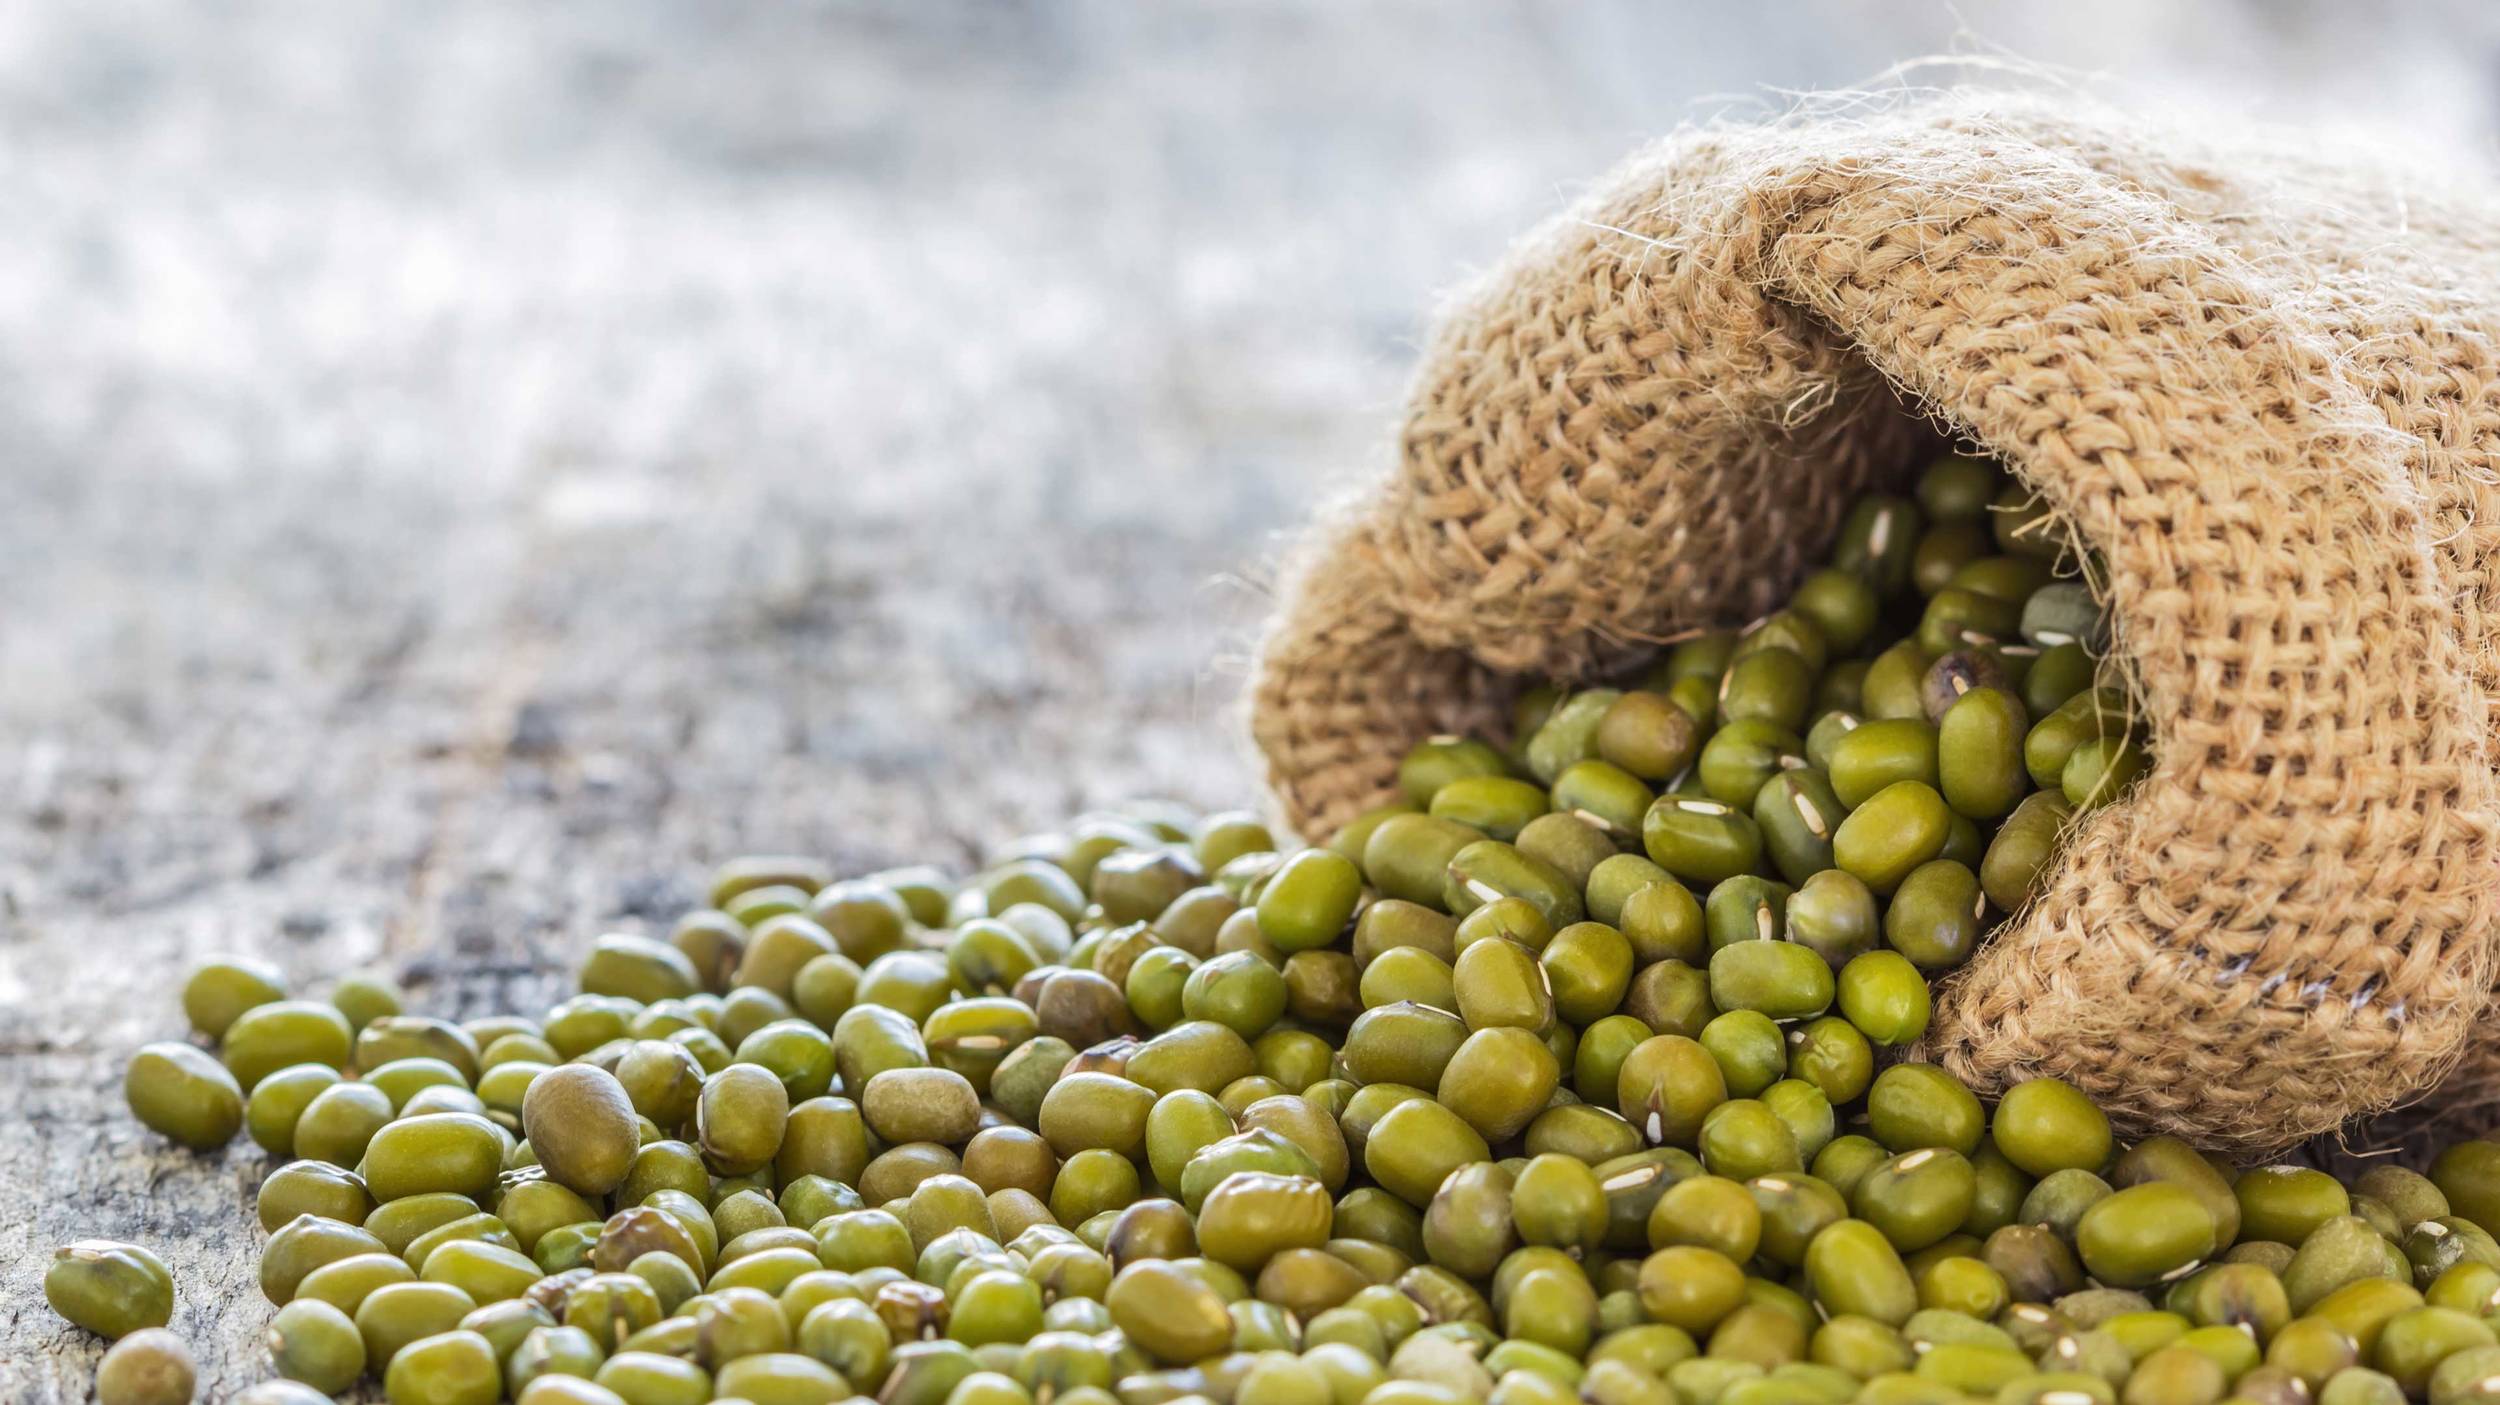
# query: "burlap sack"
2265,387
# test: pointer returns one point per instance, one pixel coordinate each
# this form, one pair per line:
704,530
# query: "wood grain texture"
468,468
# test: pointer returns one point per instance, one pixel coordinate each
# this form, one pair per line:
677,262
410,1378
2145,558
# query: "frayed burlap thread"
1651,416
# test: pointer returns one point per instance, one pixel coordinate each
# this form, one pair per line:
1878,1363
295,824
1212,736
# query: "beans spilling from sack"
1879,766
1583,1076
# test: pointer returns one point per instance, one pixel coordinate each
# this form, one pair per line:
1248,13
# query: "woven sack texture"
2259,384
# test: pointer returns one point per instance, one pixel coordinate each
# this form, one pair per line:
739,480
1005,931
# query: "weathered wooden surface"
469,469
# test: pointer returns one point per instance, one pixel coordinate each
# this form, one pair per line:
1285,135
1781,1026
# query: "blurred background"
466,467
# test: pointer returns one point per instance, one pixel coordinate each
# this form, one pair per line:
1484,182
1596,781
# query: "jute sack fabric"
2263,388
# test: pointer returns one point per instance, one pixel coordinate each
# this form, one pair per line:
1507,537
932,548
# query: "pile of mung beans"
1582,1074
